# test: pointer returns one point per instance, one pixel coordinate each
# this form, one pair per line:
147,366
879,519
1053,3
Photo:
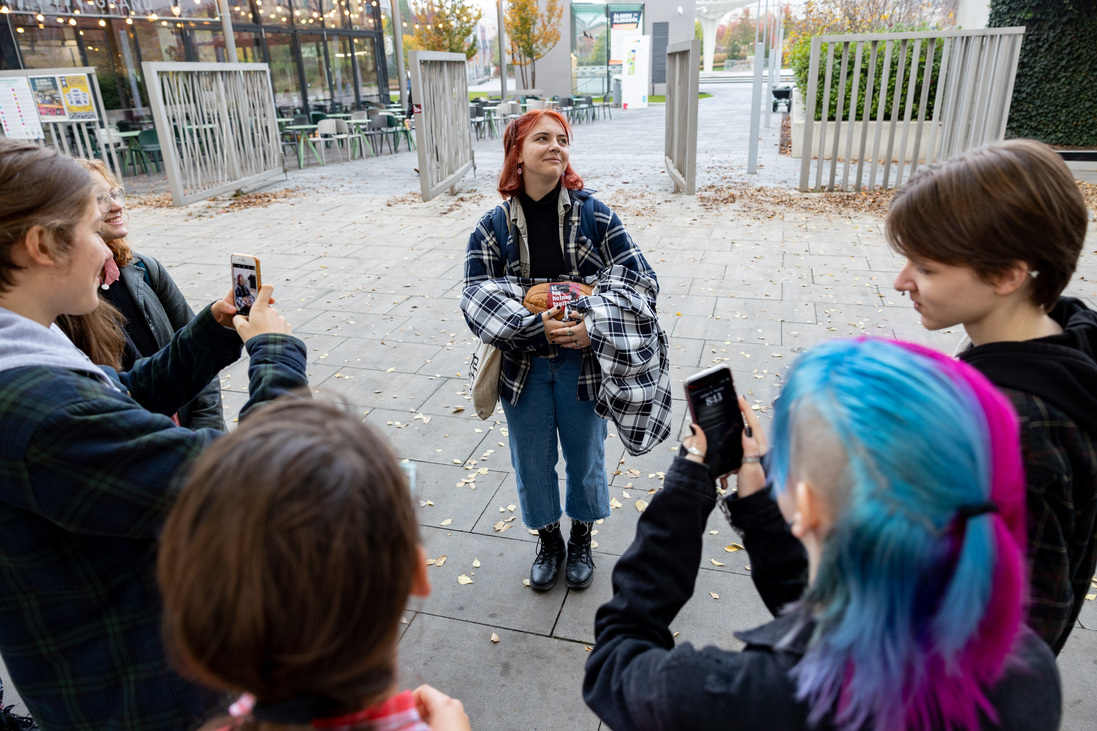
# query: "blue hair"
904,636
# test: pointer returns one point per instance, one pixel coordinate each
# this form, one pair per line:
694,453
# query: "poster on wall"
47,96
18,112
76,91
625,27
636,74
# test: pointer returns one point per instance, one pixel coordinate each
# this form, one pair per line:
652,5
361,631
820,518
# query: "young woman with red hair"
549,229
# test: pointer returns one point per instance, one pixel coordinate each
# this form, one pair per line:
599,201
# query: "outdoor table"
339,115
303,137
489,119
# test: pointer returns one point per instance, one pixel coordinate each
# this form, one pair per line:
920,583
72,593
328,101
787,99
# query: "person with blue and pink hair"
890,547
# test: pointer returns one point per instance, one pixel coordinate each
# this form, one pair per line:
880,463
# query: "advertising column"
636,77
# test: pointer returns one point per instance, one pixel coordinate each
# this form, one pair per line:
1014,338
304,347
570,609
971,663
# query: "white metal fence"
439,91
911,97
680,149
217,126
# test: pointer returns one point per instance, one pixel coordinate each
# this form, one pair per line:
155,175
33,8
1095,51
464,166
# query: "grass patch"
662,99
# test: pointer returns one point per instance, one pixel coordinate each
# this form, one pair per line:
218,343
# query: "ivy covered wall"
1055,95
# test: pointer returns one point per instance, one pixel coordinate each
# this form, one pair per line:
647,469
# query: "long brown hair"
120,248
510,181
991,207
100,333
38,187
287,561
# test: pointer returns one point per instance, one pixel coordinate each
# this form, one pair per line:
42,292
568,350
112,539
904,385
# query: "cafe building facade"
321,53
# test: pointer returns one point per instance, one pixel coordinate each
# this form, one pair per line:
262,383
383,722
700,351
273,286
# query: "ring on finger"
752,459
695,450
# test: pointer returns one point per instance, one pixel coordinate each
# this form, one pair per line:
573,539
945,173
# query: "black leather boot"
580,571
550,554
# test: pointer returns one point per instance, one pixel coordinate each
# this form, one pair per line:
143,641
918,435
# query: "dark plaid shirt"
494,311
87,476
1061,472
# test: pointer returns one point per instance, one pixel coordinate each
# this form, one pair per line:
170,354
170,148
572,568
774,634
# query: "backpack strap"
151,275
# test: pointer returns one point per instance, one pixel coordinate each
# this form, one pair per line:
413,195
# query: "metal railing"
683,72
217,126
949,91
440,103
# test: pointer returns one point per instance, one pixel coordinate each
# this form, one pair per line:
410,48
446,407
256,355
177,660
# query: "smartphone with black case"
246,282
714,406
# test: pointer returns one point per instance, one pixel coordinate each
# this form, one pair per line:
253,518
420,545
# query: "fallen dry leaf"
494,637
446,522
714,595
715,562
525,582
440,560
641,505
462,579
733,548
614,503
475,563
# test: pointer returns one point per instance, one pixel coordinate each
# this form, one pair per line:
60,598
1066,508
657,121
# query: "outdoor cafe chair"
584,107
377,129
148,143
334,132
477,119
604,105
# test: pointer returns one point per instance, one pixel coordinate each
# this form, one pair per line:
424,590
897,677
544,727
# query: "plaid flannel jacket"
1061,471
87,476
631,348
494,289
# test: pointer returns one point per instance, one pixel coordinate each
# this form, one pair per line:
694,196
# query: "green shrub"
800,60
1053,96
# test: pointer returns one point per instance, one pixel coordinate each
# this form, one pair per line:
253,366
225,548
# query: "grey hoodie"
23,342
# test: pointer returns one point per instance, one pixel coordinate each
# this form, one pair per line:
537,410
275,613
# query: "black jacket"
1052,384
165,311
637,679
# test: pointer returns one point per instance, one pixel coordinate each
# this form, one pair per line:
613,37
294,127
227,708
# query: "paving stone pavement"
370,278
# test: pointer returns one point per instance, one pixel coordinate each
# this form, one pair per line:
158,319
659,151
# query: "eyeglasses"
104,200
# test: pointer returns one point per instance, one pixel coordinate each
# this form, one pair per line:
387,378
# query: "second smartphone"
714,406
246,282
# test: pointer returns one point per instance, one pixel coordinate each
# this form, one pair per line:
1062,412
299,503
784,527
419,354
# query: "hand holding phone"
714,406
246,281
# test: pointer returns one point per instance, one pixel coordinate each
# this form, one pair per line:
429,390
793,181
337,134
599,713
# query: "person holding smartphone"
897,470
551,228
89,458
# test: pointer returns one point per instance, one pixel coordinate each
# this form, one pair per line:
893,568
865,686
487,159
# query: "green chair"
148,144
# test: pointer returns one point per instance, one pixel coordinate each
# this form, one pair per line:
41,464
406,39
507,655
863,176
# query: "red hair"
510,181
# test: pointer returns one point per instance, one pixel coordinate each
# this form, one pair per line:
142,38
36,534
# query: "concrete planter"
827,145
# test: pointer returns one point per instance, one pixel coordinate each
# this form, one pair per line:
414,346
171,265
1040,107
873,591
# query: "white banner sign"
18,110
636,73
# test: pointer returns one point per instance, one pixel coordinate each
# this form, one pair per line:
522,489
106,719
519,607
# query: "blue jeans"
548,407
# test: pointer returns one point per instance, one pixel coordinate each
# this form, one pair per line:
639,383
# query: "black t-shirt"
546,257
139,340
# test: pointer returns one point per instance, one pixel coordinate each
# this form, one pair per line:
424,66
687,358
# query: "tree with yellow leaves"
445,25
532,32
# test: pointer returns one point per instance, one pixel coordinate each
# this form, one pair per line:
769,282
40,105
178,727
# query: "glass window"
209,44
589,49
275,13
316,69
342,71
249,47
45,45
106,51
240,10
368,86
159,41
283,70
365,14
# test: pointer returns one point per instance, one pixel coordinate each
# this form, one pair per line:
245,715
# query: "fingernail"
750,432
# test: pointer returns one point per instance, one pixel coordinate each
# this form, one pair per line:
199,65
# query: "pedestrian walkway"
370,278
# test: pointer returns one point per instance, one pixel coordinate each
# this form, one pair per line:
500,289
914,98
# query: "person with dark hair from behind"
89,457
899,472
285,568
992,237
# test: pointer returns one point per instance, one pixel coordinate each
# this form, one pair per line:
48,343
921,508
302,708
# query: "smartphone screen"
245,282
715,408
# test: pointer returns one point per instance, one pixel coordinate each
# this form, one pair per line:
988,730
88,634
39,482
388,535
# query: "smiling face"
544,155
946,295
113,224
80,270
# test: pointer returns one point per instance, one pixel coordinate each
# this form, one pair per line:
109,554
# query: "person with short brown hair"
992,238
285,567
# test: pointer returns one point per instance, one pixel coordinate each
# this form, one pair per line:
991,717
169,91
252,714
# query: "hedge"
800,58
1054,96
